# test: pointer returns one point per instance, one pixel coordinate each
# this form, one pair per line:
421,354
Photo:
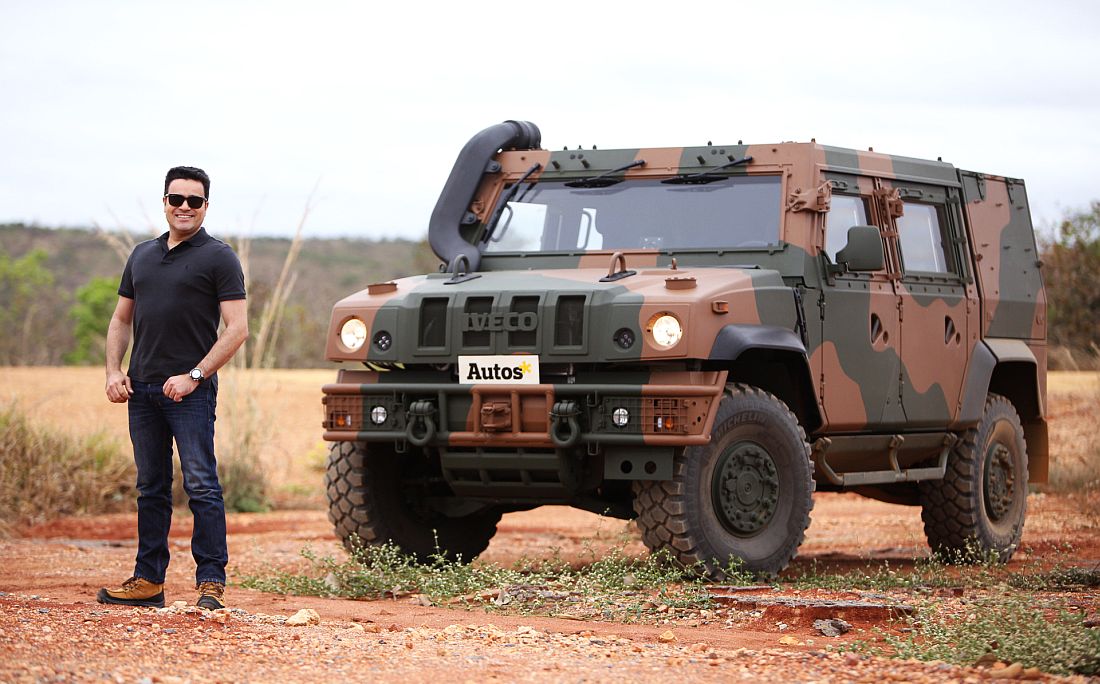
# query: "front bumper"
668,409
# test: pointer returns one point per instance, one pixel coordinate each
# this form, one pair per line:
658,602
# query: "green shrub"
45,474
614,586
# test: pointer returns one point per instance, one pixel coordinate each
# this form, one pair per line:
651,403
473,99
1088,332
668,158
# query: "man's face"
184,220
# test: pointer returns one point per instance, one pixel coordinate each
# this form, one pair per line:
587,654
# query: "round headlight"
666,331
353,334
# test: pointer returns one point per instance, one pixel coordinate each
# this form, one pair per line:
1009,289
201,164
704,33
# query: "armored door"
935,299
858,360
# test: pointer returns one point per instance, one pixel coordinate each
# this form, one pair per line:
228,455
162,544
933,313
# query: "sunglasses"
193,201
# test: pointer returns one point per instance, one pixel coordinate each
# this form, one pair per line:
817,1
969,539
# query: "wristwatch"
197,375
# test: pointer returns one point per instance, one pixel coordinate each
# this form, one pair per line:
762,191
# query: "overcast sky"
370,103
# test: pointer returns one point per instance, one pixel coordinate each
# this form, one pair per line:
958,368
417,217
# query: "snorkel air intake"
452,208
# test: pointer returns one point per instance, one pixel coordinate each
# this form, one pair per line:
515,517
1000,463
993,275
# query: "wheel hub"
1000,481
745,488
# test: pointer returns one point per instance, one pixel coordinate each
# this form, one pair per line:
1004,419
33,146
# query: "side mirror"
863,251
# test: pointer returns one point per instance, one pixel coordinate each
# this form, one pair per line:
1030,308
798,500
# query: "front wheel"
370,501
746,495
977,510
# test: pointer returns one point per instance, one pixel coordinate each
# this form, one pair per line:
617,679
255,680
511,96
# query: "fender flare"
988,355
734,339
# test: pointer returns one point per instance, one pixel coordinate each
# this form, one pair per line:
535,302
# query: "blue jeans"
154,421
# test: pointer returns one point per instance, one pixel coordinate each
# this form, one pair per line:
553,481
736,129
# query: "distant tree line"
58,289
1071,272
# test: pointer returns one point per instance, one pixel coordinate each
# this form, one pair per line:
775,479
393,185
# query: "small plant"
1013,628
614,586
1057,579
971,566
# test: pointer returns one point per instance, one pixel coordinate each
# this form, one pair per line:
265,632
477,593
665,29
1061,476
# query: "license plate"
498,370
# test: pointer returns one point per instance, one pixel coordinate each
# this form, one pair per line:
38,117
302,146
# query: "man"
174,289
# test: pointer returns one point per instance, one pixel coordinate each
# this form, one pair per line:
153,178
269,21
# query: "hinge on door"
821,303
811,199
891,198
901,309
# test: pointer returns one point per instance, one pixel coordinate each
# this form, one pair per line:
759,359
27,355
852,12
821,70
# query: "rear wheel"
371,499
746,495
978,508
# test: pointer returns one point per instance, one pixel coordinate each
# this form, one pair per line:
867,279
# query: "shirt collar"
197,240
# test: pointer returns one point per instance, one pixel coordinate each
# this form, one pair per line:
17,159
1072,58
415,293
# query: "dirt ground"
51,628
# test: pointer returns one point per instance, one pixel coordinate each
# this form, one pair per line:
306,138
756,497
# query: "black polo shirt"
176,297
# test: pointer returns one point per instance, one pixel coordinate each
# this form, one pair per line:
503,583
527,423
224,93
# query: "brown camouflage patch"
842,396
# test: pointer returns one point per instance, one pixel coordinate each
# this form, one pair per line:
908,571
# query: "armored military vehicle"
697,338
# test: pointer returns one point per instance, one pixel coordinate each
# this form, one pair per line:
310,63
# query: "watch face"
196,374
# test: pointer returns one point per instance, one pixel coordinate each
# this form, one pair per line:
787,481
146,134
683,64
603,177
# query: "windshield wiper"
708,176
508,197
602,180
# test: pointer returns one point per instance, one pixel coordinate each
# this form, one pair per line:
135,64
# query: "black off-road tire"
977,510
724,500
367,506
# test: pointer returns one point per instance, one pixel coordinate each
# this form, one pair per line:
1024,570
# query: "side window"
845,211
921,234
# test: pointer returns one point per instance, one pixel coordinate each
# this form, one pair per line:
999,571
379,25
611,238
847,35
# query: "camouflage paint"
1014,302
889,351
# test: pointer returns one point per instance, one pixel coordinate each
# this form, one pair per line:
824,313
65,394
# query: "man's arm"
235,316
119,388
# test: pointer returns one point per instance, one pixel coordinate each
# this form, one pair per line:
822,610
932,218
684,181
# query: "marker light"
378,415
620,417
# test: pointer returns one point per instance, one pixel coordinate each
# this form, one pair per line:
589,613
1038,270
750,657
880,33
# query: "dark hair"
188,173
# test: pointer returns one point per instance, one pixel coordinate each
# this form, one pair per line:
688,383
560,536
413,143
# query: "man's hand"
119,388
179,386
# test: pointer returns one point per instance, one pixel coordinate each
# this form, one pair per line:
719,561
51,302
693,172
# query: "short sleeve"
229,277
126,286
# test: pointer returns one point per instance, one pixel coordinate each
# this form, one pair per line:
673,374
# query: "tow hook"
420,427
564,428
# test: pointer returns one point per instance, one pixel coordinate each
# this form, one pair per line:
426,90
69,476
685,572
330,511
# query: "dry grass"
1074,415
37,468
1073,409
286,438
70,401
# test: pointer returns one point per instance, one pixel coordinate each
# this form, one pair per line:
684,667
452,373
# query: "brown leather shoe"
135,591
210,595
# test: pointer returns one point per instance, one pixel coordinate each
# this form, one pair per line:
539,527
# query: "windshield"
736,212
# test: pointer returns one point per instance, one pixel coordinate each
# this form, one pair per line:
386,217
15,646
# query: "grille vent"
478,338
433,322
569,321
524,338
